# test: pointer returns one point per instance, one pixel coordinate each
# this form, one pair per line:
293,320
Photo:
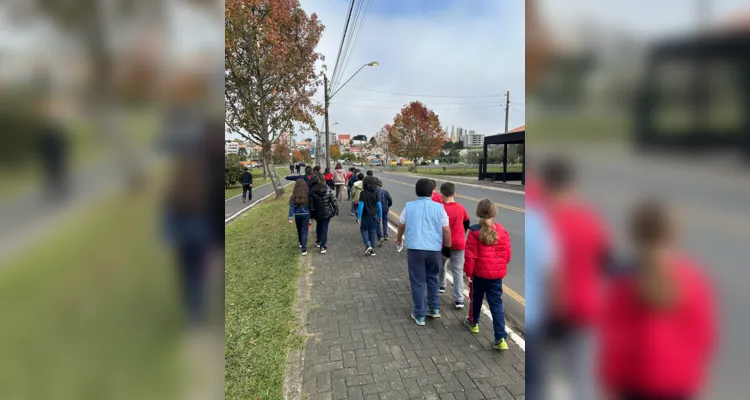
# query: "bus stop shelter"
517,136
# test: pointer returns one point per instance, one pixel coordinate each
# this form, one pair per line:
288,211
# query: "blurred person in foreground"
540,257
577,281
659,323
54,151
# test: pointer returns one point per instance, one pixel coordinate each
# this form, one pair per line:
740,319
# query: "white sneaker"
304,253
368,251
317,245
323,250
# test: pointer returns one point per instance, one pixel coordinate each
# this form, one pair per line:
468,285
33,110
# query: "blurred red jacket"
655,352
583,245
487,261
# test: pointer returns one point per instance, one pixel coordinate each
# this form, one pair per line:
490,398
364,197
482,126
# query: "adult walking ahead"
425,226
323,207
339,179
247,185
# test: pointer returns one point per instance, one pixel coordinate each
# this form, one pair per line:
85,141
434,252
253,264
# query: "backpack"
356,191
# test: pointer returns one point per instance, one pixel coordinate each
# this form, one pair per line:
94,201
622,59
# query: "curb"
511,320
292,389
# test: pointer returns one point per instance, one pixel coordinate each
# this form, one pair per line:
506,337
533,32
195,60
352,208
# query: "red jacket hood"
649,351
487,261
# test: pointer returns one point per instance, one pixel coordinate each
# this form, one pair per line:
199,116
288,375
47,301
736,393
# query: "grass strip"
91,311
261,270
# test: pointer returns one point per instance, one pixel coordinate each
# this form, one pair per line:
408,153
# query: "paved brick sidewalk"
364,345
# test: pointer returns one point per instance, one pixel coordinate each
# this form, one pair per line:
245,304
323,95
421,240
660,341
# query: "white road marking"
515,337
441,178
251,205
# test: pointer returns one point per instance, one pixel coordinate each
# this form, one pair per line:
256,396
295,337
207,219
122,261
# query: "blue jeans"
192,260
369,229
321,231
383,225
493,289
354,208
424,266
302,222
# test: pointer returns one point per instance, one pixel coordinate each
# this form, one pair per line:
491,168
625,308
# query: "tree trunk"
270,170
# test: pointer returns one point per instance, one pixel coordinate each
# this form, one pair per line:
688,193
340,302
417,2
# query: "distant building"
344,139
472,139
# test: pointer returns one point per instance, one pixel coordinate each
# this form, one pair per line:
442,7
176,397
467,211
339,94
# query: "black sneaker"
459,305
323,250
441,289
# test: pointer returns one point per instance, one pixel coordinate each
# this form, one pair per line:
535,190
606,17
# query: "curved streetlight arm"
370,64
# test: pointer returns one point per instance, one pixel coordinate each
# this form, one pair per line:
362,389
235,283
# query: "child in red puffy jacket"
486,263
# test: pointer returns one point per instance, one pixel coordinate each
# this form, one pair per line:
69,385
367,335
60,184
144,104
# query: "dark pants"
493,289
383,226
321,231
247,192
424,267
291,170
302,222
369,229
354,207
534,356
192,259
349,193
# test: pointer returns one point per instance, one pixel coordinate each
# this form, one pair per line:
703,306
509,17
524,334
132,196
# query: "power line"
408,101
358,30
425,95
360,14
518,112
343,36
396,108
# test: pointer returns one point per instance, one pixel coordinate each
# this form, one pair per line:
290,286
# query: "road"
713,203
234,206
510,215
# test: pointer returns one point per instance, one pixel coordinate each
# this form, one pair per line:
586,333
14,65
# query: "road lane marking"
444,178
238,213
461,196
515,337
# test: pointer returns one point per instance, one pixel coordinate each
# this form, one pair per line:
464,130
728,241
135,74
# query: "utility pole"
328,153
507,109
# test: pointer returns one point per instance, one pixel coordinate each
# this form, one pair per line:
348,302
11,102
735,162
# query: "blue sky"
445,53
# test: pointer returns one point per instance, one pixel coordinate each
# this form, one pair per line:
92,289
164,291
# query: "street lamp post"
327,103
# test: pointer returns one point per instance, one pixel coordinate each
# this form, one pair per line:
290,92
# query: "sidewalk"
364,345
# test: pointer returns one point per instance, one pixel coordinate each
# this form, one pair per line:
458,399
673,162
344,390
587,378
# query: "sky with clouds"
459,57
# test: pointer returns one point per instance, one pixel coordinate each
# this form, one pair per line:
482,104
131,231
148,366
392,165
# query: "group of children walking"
434,228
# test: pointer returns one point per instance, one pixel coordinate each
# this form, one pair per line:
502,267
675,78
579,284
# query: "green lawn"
261,270
94,315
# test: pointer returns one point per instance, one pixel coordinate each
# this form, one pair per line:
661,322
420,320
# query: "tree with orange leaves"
270,77
297,156
335,152
416,133
383,138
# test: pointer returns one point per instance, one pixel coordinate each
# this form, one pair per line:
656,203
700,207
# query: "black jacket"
247,178
323,204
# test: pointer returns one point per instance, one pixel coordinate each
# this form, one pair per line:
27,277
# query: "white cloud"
462,50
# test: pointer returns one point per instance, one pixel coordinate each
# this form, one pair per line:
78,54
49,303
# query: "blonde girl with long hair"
486,261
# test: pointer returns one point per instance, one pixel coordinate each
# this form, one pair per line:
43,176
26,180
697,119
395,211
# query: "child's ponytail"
486,211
